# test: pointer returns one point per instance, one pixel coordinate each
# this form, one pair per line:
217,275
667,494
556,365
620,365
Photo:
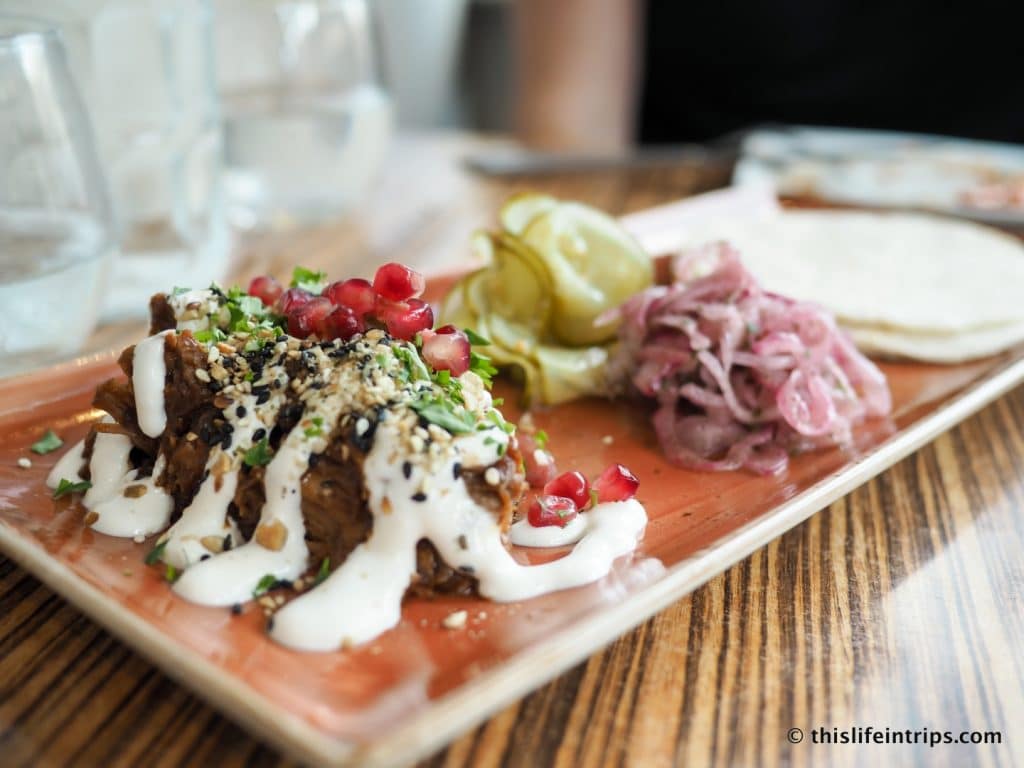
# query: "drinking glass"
146,72
55,224
306,122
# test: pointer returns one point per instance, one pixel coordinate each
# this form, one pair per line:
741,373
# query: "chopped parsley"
324,572
64,487
259,455
499,421
540,437
47,443
177,290
264,585
171,573
475,338
210,335
443,412
308,280
413,368
316,429
482,366
156,553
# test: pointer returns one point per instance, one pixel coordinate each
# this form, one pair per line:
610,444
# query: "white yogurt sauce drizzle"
522,534
144,511
363,596
149,372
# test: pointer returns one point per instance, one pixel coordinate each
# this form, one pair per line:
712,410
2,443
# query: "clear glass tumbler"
55,224
306,122
146,71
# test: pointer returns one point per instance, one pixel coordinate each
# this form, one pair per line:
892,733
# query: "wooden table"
900,606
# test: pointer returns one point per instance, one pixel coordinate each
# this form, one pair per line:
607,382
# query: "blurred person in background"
598,75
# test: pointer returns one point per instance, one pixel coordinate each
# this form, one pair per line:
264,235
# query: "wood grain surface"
899,607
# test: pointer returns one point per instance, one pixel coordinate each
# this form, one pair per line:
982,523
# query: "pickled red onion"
742,376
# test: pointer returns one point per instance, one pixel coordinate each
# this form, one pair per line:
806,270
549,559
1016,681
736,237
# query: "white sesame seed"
361,426
492,476
25,463
455,620
202,375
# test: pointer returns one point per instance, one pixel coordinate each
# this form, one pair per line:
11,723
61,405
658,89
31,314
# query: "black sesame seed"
262,397
237,609
270,624
419,496
259,434
240,411
467,569
463,542
227,543
456,470
204,557
407,469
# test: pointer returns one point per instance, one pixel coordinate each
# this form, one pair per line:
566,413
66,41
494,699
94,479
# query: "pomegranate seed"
446,351
551,510
292,299
404,319
616,483
571,485
307,319
342,323
356,294
448,329
540,464
397,282
266,289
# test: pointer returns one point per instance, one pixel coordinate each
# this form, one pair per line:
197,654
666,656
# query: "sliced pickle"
519,210
517,286
594,265
567,374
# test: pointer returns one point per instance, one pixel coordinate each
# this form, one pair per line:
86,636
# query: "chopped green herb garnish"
249,376
324,572
156,553
177,291
265,584
414,369
210,335
382,359
170,573
259,455
444,413
317,427
64,487
308,280
498,401
475,338
540,437
47,443
499,421
482,366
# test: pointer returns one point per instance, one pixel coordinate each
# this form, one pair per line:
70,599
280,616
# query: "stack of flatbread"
904,285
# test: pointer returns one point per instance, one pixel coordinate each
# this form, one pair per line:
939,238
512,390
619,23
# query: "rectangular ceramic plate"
420,685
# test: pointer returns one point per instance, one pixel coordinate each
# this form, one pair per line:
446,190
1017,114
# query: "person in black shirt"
599,74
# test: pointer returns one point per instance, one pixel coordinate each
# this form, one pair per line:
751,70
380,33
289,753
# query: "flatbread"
936,348
906,272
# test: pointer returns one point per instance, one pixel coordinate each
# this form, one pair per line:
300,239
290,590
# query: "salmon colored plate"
419,685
